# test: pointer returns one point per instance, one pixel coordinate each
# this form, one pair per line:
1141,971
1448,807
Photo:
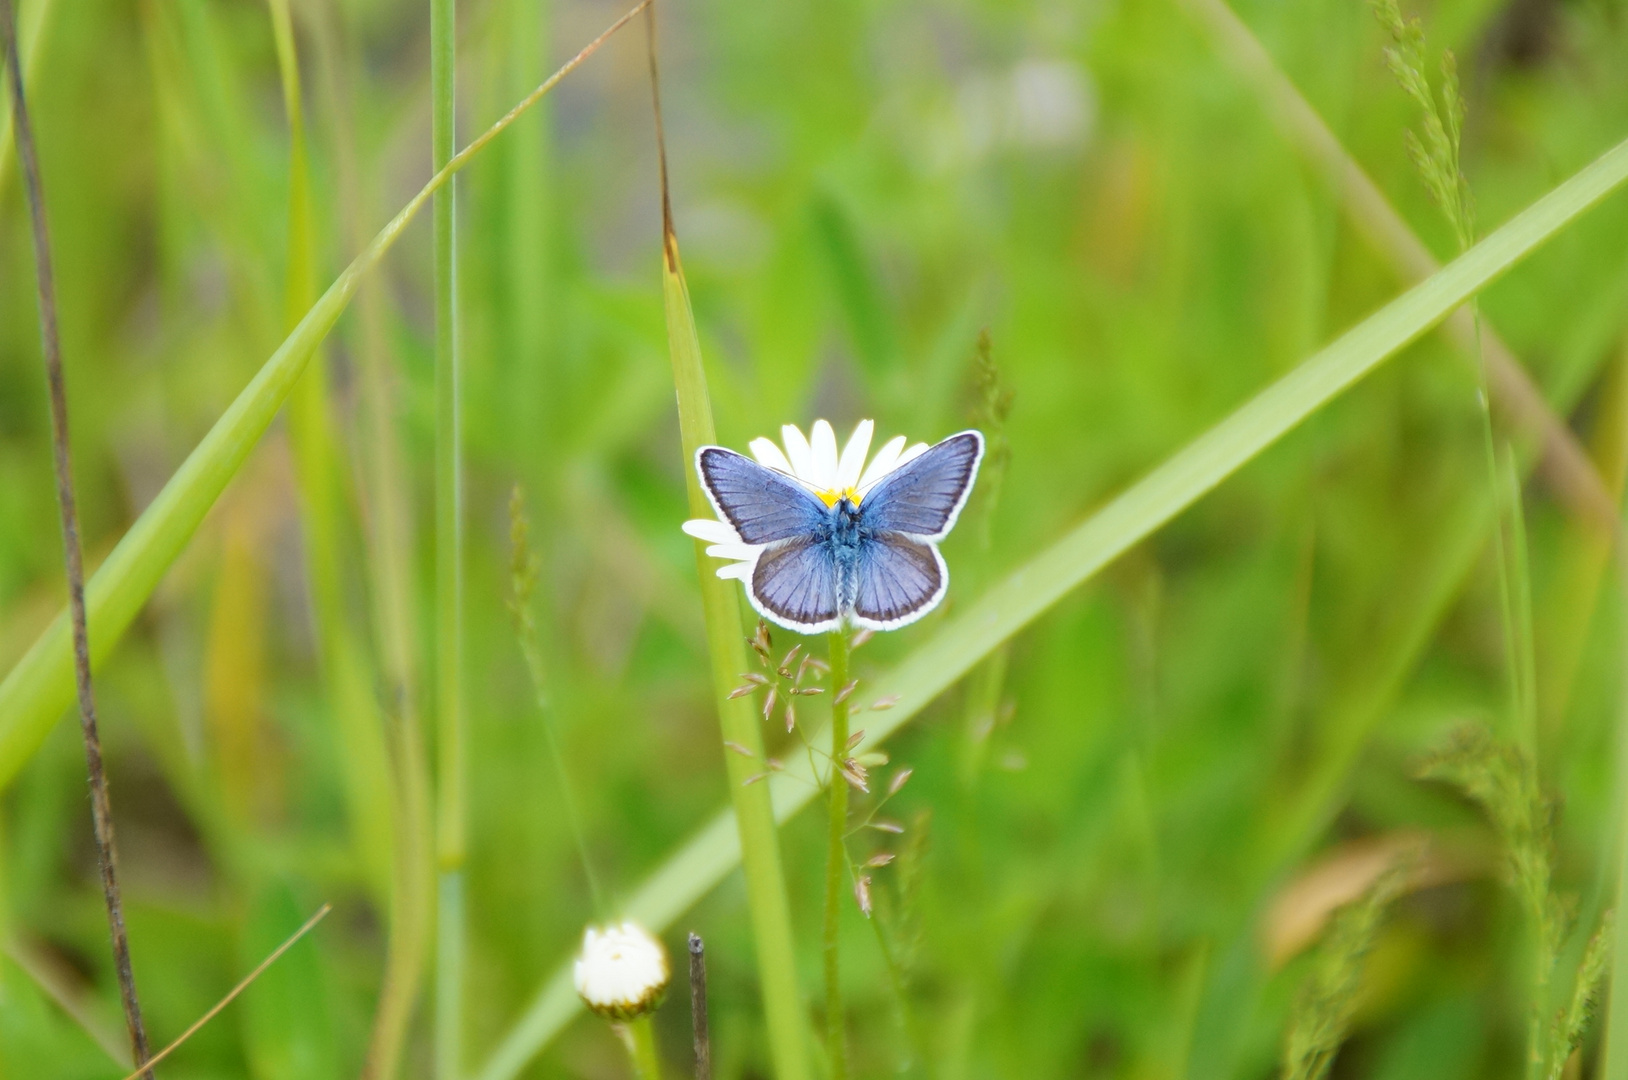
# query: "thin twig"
50,346
242,985
667,234
698,1008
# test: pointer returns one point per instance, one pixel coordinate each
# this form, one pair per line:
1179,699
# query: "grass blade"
345,673
389,539
1565,463
1136,513
449,560
737,717
40,686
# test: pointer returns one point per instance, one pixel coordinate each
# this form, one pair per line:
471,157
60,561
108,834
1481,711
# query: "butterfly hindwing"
795,584
764,506
897,579
921,498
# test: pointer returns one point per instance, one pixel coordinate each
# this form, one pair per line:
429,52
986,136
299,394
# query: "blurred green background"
1105,836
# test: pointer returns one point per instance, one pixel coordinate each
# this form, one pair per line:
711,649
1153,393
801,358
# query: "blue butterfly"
863,558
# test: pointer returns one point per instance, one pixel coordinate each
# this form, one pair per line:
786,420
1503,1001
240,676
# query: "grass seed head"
856,775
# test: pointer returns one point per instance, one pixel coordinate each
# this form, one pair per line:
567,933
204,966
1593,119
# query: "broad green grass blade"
1135,514
753,813
40,686
737,717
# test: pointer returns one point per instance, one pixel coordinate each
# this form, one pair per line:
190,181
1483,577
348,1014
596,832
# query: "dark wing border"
780,619
966,491
925,607
718,507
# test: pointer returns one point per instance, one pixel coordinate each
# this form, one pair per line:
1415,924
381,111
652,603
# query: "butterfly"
866,558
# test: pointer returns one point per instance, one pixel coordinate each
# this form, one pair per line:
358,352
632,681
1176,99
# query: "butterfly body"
867,558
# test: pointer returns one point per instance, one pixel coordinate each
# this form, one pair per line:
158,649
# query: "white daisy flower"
812,461
622,971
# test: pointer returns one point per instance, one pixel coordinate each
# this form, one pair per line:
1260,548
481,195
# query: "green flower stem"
836,860
640,1039
967,637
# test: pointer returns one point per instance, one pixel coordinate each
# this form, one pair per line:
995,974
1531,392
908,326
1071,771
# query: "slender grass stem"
562,777
836,860
1614,1065
62,463
345,674
448,449
232,994
524,574
449,542
389,538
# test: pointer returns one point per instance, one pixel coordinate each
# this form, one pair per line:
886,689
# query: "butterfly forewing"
795,583
896,580
763,505
923,497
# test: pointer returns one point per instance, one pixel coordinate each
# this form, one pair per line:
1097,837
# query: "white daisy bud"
621,972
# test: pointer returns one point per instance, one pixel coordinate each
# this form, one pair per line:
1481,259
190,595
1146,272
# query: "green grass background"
860,187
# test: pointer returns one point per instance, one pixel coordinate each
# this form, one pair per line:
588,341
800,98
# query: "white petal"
769,456
741,570
734,551
712,531
912,454
824,446
883,463
853,456
802,461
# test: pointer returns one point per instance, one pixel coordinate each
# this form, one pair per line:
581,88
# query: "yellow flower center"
831,498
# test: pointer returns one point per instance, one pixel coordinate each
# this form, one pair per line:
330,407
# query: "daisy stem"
836,864
640,1039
